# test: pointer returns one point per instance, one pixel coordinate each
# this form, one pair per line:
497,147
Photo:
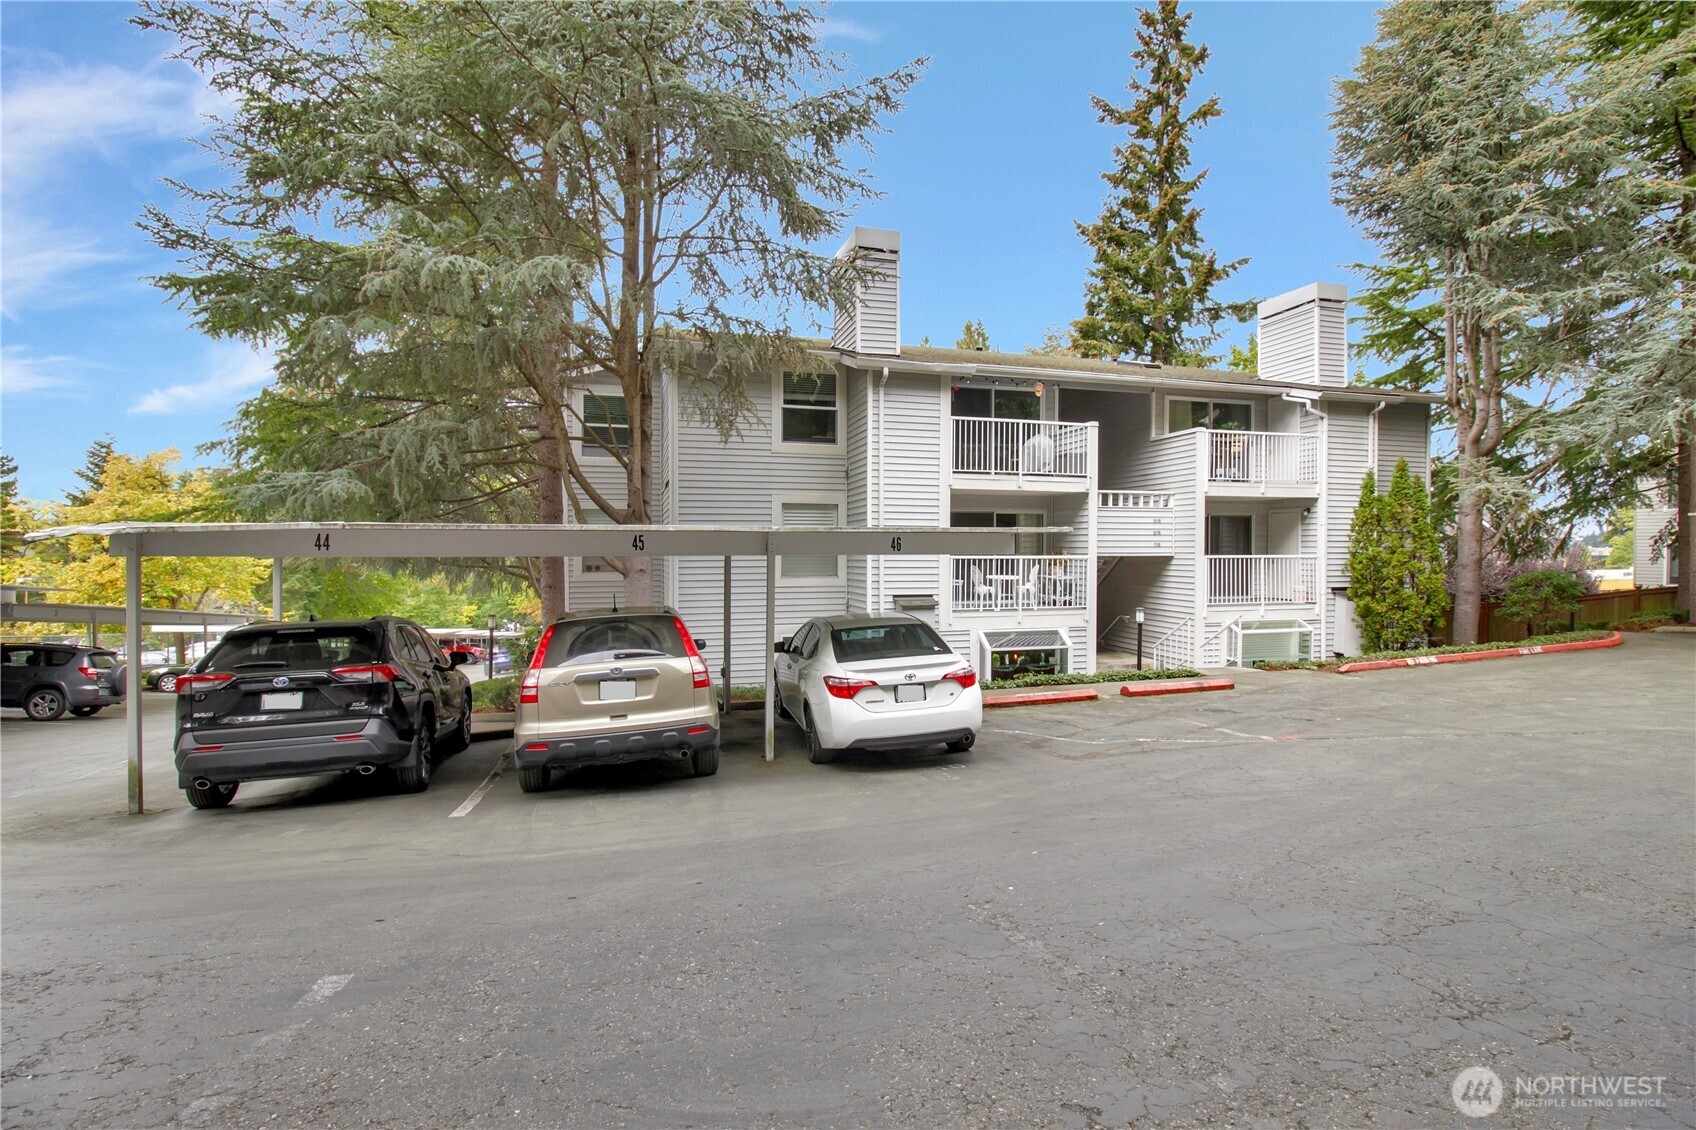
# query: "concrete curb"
1471,656
1175,686
1040,698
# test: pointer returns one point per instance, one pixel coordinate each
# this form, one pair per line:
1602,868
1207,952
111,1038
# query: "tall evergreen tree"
1396,577
523,194
92,471
973,336
1150,291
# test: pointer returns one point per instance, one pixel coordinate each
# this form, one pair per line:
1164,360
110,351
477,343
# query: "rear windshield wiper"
636,653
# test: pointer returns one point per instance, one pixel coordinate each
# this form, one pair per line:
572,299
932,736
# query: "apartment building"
1217,503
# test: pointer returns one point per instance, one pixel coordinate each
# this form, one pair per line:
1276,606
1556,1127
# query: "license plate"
912,693
283,700
618,690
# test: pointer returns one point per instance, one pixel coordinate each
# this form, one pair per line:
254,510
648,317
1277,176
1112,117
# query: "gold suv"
609,686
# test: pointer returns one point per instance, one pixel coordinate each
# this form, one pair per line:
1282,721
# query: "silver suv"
610,686
46,679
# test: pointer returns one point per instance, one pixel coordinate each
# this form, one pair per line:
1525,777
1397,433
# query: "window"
997,403
1230,535
1181,415
606,423
1024,544
809,410
809,566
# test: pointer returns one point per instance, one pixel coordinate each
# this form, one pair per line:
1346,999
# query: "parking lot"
1311,901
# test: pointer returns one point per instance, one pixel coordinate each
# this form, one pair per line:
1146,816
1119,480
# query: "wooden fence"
1612,607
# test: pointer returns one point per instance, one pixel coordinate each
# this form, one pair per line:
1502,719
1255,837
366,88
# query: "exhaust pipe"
202,784
365,770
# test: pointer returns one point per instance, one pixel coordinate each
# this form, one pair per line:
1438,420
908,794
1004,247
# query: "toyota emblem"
909,676
280,681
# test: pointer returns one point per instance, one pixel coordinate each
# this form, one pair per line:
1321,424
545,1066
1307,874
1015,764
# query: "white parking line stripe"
326,988
488,783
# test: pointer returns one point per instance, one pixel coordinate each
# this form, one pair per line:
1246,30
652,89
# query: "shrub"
1395,563
1542,599
499,695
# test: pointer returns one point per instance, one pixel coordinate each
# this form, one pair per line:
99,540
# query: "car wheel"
816,753
85,711
217,796
166,683
44,704
533,780
415,778
782,710
704,761
963,744
460,739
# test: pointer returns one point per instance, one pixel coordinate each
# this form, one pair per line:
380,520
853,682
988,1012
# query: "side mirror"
458,659
701,644
781,647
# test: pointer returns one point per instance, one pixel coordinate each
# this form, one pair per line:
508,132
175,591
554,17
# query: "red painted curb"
1040,698
1175,686
1471,656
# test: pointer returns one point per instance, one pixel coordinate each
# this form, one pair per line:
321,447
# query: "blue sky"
986,173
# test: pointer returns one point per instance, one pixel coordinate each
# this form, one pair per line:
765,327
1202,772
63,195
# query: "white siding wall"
908,482
855,385
737,484
873,323
1403,433
1165,589
1646,571
1347,448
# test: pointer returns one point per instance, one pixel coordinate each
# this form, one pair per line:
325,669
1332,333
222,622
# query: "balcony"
1134,523
1019,584
1023,454
1261,463
1262,582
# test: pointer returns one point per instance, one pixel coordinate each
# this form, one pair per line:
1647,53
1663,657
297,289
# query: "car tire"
44,704
217,796
460,740
533,780
704,761
816,753
963,744
782,710
166,683
85,711
415,778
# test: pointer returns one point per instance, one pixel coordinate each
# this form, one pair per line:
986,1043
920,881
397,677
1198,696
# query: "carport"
279,540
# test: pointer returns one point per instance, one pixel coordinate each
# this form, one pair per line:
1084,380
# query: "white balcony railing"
1002,584
1026,448
1261,457
1261,580
1132,523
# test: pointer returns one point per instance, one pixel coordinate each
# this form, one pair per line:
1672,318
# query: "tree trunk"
550,510
1684,499
1469,563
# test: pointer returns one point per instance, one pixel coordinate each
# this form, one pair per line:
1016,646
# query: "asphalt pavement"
1311,901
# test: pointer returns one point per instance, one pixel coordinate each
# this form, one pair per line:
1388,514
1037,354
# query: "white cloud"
835,28
41,262
22,373
236,372
59,117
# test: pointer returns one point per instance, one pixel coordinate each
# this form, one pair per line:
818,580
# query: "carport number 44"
321,543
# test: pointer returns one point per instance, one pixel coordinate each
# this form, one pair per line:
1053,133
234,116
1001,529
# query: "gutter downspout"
1372,436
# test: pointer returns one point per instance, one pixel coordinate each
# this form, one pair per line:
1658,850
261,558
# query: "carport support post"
132,656
765,653
276,588
726,637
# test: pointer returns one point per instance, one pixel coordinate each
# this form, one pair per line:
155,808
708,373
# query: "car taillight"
965,676
90,672
703,677
845,688
367,673
196,684
529,691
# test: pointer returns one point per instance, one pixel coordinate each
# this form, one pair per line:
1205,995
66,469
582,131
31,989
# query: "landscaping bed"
1452,649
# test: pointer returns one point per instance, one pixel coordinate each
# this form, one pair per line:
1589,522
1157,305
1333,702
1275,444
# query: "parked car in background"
610,686
289,699
876,682
50,678
164,678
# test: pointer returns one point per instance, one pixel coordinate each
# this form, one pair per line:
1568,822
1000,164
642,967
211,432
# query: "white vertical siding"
1347,453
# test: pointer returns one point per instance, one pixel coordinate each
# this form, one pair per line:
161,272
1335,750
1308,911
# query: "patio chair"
981,591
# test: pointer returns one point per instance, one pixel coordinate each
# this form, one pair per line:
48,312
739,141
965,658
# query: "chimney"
1303,335
873,323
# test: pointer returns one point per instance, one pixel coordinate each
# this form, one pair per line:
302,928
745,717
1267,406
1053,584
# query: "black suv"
324,696
46,679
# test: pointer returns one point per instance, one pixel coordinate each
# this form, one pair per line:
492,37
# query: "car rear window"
596,641
294,648
886,641
100,660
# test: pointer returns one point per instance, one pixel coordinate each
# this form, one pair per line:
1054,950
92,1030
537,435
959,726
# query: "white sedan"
876,682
